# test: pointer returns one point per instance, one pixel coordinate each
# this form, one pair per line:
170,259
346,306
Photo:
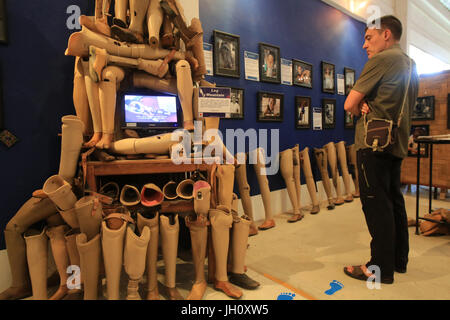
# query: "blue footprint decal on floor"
335,287
286,296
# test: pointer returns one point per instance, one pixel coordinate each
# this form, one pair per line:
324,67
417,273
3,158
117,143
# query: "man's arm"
353,102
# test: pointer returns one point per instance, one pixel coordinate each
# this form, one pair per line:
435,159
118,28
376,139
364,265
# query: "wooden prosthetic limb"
79,42
287,171
155,17
92,91
260,170
342,156
61,257
135,32
185,92
297,161
37,244
351,156
120,12
244,192
197,50
112,76
322,162
80,98
71,142
99,59
310,183
332,161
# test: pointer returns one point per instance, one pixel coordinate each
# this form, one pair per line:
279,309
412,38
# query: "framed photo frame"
237,104
424,109
302,74
328,113
328,77
270,107
3,23
416,131
302,112
349,120
269,63
350,76
226,54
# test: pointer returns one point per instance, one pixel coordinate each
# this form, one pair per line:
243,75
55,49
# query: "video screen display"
150,109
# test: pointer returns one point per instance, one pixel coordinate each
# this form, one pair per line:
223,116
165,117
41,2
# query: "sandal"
268,224
295,218
356,272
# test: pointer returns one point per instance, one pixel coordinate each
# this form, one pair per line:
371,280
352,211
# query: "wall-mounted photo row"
237,104
416,131
302,73
328,77
424,109
349,120
328,113
302,112
349,75
270,107
226,54
269,63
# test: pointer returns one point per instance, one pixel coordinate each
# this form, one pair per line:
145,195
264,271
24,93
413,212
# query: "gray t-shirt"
383,81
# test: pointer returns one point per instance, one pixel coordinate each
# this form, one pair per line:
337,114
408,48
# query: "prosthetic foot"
61,257
322,162
221,222
152,253
134,260
310,183
169,238
37,243
244,191
263,182
332,161
342,156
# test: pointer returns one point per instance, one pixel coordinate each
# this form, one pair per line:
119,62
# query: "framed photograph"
424,109
269,63
3,23
328,113
302,73
416,131
270,107
349,120
237,104
328,77
349,75
226,54
302,112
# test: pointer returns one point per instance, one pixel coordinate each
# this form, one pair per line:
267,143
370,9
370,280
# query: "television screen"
150,111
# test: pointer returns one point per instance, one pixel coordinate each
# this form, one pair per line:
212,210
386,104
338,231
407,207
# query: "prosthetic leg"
112,76
154,22
260,171
80,98
152,253
71,142
92,91
59,191
37,243
135,32
197,225
310,183
100,58
120,12
287,171
239,240
197,49
332,161
134,259
159,144
74,258
244,191
340,147
90,215
90,254
351,156
298,187
99,22
185,92
32,211
169,237
322,162
61,257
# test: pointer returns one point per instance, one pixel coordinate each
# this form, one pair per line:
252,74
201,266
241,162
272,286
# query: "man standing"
380,92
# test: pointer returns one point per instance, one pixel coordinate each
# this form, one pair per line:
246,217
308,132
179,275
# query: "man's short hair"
392,23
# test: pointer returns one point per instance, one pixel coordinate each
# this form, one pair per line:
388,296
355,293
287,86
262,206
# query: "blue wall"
38,78
307,30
